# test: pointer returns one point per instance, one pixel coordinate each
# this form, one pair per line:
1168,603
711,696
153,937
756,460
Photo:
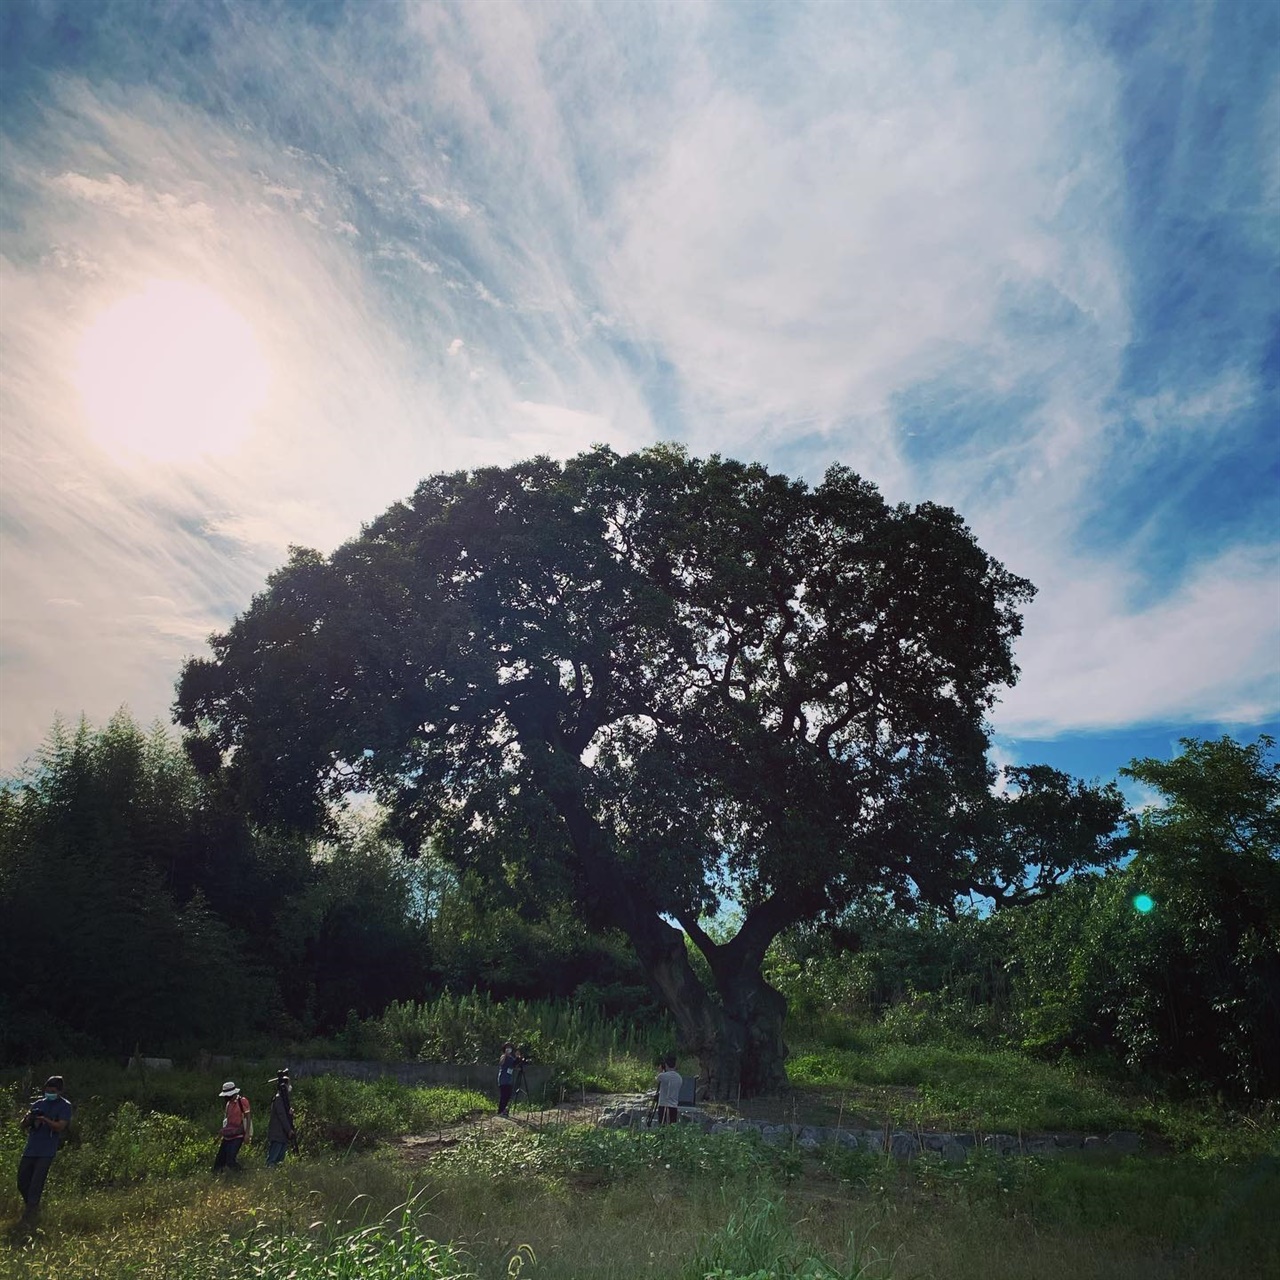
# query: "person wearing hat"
237,1127
46,1121
280,1127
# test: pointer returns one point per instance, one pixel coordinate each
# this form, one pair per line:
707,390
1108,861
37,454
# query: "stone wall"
630,1113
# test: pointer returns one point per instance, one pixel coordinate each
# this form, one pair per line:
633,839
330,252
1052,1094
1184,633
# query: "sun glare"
171,373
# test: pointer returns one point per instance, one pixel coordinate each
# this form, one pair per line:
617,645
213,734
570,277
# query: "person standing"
506,1076
46,1121
669,1084
237,1127
280,1127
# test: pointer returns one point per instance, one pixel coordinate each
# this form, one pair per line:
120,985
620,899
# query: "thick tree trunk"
736,1039
747,1056
754,1006
735,1035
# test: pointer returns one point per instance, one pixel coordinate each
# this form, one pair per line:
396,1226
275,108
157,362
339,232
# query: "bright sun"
171,373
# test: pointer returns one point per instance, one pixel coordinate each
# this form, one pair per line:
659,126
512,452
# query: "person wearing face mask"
237,1128
46,1121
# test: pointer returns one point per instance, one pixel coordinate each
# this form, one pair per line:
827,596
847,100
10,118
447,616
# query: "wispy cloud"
927,245
1204,653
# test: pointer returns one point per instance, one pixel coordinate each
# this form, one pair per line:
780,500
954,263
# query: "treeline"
138,907
1168,964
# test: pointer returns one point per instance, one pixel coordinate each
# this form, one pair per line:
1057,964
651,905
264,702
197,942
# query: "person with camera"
507,1065
281,1131
46,1121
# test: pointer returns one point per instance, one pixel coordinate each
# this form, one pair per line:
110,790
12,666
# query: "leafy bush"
140,1145
1094,973
127,1143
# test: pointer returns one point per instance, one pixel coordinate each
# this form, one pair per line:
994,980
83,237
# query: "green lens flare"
1143,903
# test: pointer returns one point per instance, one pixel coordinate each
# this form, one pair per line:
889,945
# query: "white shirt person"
669,1084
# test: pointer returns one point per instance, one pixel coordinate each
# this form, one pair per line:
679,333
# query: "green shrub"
123,1145
139,1145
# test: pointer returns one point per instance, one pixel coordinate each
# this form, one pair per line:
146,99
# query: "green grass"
961,1084
342,1111
132,1197
575,1204
582,1155
98,1086
964,1088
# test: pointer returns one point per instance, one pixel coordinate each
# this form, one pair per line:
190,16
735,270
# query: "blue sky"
1022,259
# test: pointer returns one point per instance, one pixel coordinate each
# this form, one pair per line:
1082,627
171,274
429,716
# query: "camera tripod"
519,1085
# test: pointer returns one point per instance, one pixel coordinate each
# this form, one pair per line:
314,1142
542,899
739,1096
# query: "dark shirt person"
280,1126
506,1076
46,1121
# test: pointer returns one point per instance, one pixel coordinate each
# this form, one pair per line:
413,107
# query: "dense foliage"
138,908
1189,988
1192,985
127,898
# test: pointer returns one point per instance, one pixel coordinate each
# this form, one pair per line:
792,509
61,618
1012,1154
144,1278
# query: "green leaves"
1193,984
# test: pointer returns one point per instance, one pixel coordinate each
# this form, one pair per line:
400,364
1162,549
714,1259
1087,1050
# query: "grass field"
131,1196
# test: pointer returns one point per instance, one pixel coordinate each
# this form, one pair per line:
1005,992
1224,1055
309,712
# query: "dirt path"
423,1146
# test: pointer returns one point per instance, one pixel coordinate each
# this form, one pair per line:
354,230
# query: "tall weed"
759,1243
471,1028
338,1110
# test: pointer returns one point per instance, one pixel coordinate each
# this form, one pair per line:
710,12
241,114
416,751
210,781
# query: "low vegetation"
588,1048
578,1203
132,1195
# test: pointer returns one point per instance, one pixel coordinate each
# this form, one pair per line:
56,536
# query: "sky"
264,265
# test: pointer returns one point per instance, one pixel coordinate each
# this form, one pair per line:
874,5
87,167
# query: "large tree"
650,683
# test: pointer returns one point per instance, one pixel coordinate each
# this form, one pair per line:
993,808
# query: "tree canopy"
652,684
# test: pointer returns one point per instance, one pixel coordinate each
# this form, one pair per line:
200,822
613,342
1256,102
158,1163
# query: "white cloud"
806,254
1210,652
134,200
1207,408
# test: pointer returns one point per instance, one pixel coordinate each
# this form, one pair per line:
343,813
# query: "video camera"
36,1117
